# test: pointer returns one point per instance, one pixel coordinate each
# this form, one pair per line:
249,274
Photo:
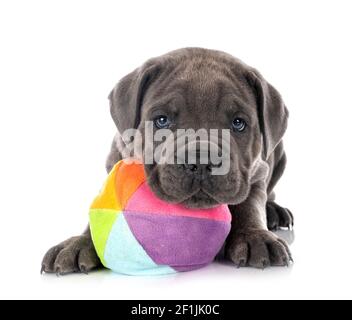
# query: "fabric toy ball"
136,233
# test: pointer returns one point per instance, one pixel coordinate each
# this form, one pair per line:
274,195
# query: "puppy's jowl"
201,90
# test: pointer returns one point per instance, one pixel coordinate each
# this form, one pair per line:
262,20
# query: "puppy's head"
190,95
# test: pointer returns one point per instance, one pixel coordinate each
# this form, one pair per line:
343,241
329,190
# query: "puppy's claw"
265,264
292,218
58,272
241,264
286,262
83,269
289,261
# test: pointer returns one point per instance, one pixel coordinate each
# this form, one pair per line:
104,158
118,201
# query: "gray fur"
200,88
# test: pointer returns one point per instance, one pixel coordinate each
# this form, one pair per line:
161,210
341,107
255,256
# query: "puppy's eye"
239,125
162,122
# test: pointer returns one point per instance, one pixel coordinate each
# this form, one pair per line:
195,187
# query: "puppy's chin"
172,187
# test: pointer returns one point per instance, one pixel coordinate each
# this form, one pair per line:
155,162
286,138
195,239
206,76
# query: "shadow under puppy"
196,88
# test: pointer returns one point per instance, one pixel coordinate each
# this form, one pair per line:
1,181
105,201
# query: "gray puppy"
199,88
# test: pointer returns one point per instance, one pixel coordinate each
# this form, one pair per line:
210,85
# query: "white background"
58,62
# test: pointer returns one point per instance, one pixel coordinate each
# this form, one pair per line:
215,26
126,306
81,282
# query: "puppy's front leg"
250,243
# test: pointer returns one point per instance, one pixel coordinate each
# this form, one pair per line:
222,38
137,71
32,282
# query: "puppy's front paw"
258,249
76,254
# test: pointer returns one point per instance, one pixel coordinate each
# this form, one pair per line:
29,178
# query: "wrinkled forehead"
201,97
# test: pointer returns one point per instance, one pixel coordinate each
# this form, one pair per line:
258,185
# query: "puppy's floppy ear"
126,98
272,112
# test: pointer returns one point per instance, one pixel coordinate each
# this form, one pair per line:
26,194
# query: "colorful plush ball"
136,233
